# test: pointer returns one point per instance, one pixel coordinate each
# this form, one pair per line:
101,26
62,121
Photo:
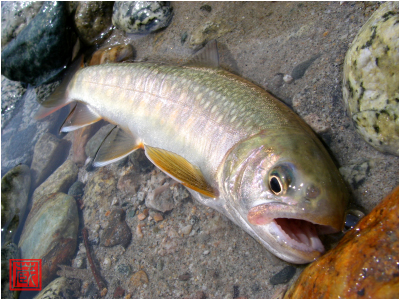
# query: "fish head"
286,191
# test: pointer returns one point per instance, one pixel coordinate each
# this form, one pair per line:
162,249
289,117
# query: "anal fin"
117,145
181,170
80,116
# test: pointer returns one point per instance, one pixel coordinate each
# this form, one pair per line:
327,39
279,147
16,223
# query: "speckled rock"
15,16
49,154
93,21
371,79
15,186
42,49
52,224
141,16
60,288
363,265
116,53
9,251
117,232
59,181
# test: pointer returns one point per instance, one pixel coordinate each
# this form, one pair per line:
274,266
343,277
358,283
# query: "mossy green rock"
371,79
51,219
15,187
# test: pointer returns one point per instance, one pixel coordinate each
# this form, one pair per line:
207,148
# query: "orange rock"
139,278
363,265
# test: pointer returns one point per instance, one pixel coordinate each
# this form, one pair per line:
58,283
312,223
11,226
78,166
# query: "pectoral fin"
81,115
181,170
117,145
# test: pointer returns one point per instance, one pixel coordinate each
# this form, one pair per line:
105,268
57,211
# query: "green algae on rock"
371,79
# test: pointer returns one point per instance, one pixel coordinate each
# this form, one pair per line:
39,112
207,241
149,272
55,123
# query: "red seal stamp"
25,274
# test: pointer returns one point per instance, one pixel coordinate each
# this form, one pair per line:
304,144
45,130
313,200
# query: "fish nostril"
312,192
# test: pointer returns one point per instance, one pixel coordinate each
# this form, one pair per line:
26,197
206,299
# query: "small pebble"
206,252
187,229
106,263
287,78
158,217
141,216
139,278
184,277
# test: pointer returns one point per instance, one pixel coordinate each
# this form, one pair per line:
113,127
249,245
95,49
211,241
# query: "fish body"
237,148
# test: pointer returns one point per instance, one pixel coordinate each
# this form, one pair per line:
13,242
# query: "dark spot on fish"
370,140
388,15
396,275
371,39
206,8
301,68
377,61
355,63
376,128
235,291
380,143
361,292
386,49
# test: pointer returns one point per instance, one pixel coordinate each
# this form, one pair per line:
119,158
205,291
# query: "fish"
234,146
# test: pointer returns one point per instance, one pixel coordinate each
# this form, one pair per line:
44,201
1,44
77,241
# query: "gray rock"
41,50
51,219
76,190
93,21
141,16
60,288
9,251
15,16
15,186
49,154
59,181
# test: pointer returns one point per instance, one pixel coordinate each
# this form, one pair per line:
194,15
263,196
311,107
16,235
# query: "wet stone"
142,16
76,190
60,288
283,276
93,21
41,50
117,232
124,269
59,181
15,186
48,155
161,198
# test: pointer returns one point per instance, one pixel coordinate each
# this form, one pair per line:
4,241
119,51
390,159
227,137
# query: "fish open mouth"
299,234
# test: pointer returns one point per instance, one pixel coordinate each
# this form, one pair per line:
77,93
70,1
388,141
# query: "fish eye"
279,180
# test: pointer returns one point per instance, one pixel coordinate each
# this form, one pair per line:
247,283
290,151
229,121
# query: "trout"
234,146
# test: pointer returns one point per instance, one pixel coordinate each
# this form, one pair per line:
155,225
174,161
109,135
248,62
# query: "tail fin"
59,98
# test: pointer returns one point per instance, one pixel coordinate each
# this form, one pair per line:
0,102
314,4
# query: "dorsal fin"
206,57
80,116
115,146
181,170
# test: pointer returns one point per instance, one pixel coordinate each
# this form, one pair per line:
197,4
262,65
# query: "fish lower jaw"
297,234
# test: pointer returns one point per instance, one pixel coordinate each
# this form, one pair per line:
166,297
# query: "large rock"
60,288
9,251
364,264
50,232
15,186
371,79
42,49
